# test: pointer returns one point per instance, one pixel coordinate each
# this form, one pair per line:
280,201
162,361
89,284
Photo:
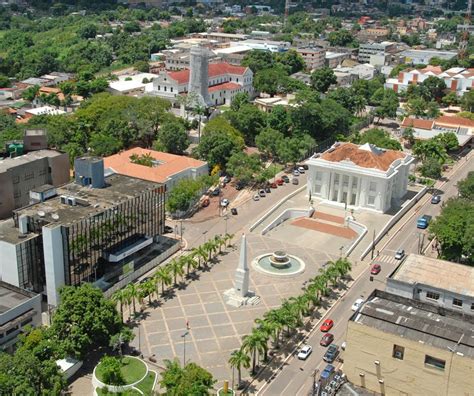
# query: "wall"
7,202
288,214
53,262
8,263
409,376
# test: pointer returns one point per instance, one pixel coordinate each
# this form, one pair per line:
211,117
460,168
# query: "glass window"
472,306
398,352
318,176
432,295
317,188
434,362
373,186
371,200
457,302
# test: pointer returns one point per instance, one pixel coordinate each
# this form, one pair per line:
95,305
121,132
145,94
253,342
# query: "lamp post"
181,230
184,347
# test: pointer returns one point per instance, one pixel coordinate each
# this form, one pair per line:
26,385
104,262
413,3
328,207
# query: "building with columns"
360,176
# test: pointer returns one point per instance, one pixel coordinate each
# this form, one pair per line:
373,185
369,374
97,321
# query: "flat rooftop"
9,163
457,278
439,54
418,321
11,296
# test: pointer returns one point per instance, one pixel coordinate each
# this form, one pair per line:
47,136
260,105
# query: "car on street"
273,185
280,182
300,169
256,197
376,268
295,181
331,353
326,340
262,193
305,352
327,325
234,211
399,254
168,229
357,304
267,190
224,202
216,192
296,173
436,199
285,178
423,221
327,372
343,345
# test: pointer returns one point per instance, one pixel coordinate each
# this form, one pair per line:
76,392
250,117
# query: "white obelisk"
242,272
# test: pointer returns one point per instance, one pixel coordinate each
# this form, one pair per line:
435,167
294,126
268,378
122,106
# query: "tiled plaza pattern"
216,329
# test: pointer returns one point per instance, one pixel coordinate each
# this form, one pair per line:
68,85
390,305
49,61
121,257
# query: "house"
359,176
167,168
132,85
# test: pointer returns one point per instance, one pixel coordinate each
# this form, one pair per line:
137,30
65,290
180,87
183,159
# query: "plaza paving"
216,329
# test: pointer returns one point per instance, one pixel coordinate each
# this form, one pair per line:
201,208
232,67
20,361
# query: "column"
341,186
349,190
330,188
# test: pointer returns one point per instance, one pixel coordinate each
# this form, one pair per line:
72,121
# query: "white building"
132,85
368,49
264,45
359,176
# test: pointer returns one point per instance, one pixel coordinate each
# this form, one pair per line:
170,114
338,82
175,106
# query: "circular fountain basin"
278,263
280,259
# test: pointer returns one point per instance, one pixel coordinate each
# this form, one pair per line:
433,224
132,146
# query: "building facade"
19,175
359,176
314,58
368,49
397,346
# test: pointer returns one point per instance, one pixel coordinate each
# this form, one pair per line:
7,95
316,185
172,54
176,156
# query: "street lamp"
184,347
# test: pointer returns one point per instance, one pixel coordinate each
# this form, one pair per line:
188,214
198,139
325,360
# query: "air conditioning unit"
64,199
71,201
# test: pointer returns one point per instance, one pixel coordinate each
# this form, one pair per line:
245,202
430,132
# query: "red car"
376,268
327,325
280,182
327,339
273,185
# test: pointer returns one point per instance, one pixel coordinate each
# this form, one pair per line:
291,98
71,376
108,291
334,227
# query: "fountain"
280,259
278,263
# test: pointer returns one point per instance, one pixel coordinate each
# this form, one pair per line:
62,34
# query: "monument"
240,294
198,86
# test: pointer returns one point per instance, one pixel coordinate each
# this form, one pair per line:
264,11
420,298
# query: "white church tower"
198,85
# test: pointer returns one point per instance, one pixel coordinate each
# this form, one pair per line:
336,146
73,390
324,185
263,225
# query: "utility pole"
463,43
373,246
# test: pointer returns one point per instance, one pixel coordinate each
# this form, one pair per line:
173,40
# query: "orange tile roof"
229,85
417,123
433,69
215,69
361,157
455,121
170,164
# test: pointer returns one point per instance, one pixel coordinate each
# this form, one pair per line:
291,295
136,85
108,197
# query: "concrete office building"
439,282
18,308
368,49
20,175
99,230
359,176
314,58
399,346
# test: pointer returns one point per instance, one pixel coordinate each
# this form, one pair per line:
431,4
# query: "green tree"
270,81
173,137
142,66
435,86
87,31
431,168
255,344
449,140
450,99
279,119
409,135
183,195
379,138
268,141
239,359
467,101
322,79
30,92
103,145
466,187
291,60
249,120
243,167
111,370
341,38
239,100
430,149
258,60
5,82
188,380
386,102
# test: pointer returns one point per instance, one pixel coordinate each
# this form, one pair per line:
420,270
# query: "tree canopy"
188,380
322,79
379,138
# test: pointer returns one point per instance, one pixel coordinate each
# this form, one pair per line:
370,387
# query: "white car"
357,304
305,352
296,173
300,169
256,197
400,254
224,202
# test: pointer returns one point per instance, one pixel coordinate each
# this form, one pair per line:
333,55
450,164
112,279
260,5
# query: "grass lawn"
132,369
131,392
146,386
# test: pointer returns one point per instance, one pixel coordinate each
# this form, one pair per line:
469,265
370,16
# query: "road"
296,376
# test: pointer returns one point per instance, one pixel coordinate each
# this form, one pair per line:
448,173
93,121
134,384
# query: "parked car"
295,181
234,211
436,199
227,179
285,178
224,202
326,339
343,345
267,190
216,192
296,173
327,325
400,254
300,169
273,185
239,186
376,268
256,197
331,353
261,193
279,182
357,304
205,202
168,229
327,372
305,352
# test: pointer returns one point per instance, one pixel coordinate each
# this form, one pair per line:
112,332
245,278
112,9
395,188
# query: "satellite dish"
55,216
41,213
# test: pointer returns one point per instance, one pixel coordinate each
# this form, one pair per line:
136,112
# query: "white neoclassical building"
360,176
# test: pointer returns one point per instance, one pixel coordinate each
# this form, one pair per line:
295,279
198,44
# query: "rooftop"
9,163
365,156
215,69
11,296
452,121
167,164
417,321
457,278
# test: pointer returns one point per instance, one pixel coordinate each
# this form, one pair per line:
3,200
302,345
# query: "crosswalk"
384,258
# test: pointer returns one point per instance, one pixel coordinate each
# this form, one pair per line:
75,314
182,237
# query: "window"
398,352
318,176
25,322
472,306
434,362
317,188
371,200
12,330
16,180
373,186
432,295
336,178
345,181
457,302
17,194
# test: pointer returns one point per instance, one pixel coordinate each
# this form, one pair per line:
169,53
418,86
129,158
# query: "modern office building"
23,173
97,229
359,176
400,346
366,50
18,308
439,282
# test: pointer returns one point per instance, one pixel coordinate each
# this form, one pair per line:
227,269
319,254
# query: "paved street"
296,376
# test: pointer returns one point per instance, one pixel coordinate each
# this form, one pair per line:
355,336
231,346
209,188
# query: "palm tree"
201,253
163,276
255,343
132,291
275,322
343,266
176,268
312,293
189,262
239,359
210,247
147,289
119,297
219,241
228,238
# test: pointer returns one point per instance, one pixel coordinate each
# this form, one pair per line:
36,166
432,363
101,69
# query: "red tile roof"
433,69
363,158
417,123
455,121
169,164
228,85
215,69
